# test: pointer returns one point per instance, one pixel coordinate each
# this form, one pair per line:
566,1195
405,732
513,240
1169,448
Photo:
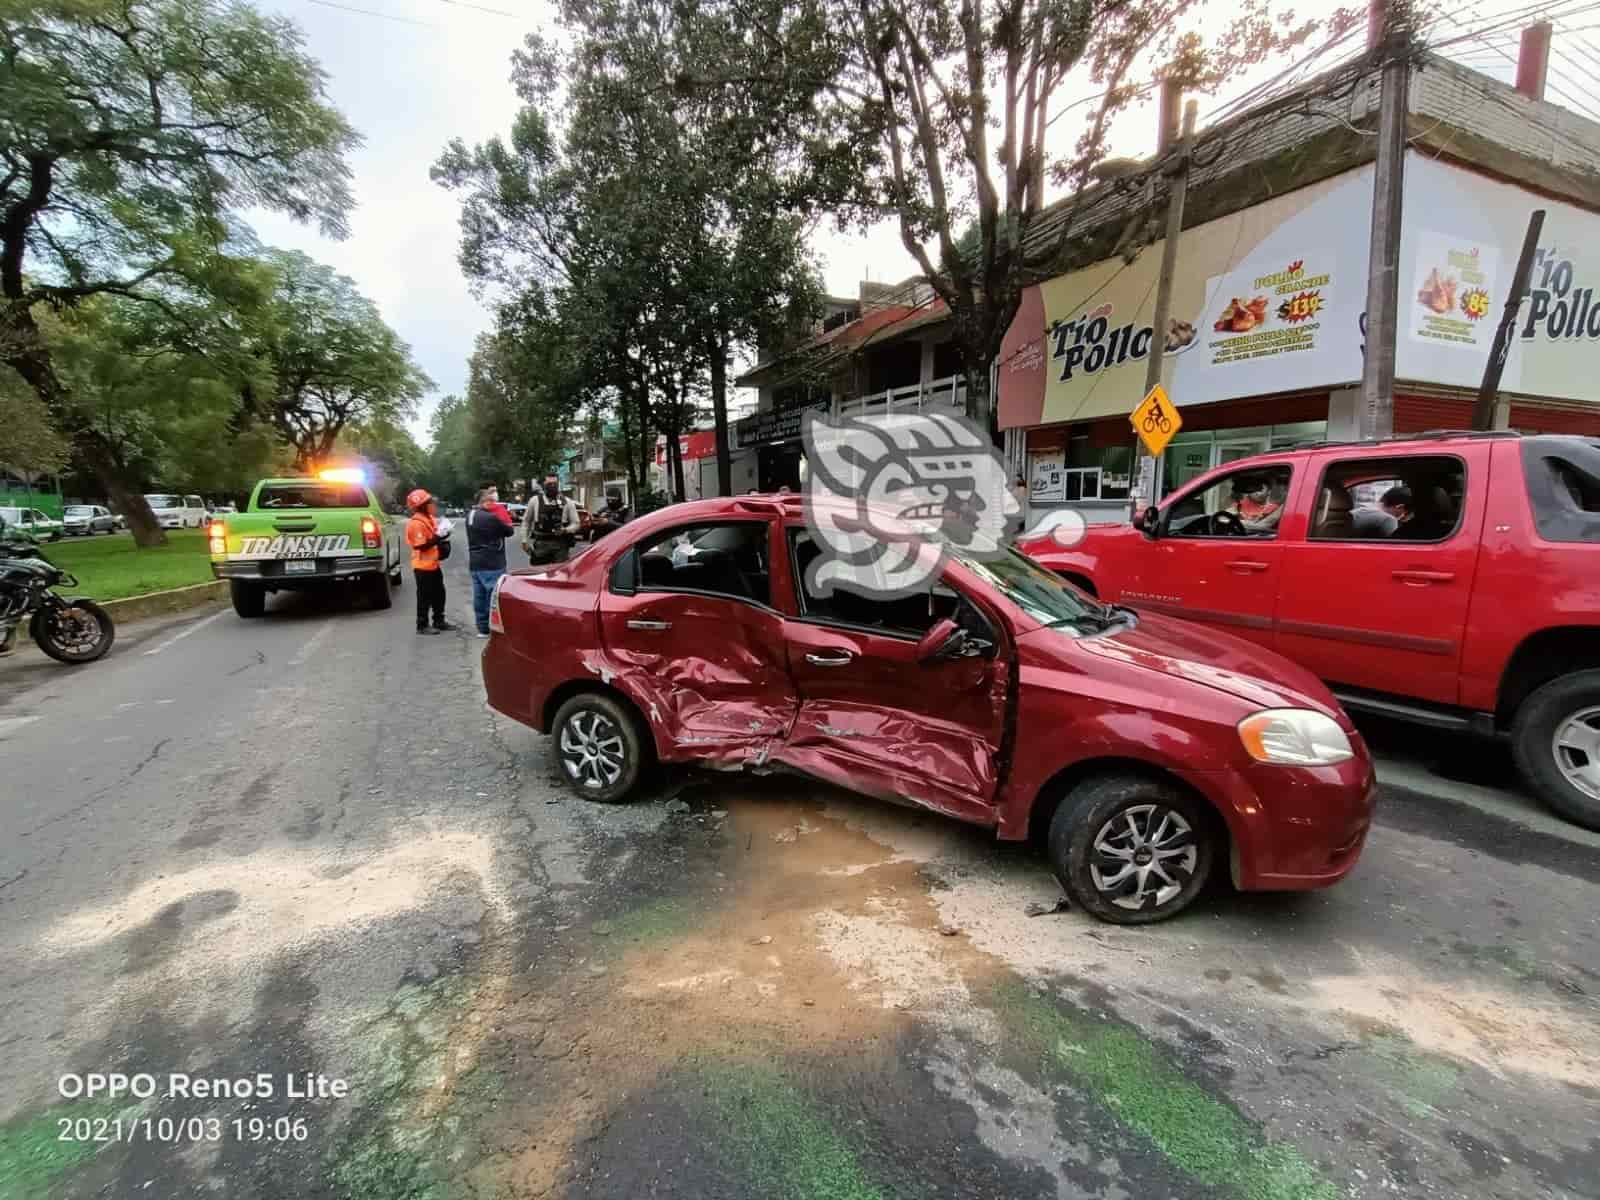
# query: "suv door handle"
1424,577
1246,564
657,625
841,658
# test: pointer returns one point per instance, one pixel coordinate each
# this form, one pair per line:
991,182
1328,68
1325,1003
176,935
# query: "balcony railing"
941,395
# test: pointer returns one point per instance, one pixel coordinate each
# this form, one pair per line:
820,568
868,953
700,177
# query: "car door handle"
1424,578
656,625
1249,565
840,659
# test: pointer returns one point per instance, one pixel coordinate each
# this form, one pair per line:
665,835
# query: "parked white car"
31,520
178,512
88,519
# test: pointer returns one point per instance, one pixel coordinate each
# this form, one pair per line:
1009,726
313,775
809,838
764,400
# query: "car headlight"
1294,737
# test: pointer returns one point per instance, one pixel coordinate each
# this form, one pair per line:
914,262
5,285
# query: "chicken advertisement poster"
1454,292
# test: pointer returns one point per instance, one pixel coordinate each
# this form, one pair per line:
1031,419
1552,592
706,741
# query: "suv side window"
193,502
1242,504
716,558
1414,498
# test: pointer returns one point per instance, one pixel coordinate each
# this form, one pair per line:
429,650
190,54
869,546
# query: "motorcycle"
70,630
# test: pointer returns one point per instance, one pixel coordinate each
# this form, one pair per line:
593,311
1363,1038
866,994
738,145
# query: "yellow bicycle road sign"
1156,420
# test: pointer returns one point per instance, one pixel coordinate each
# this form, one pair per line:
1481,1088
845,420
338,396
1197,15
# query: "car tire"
376,586
249,599
1548,738
1104,825
599,747
396,577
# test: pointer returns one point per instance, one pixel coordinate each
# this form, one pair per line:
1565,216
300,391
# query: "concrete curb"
153,604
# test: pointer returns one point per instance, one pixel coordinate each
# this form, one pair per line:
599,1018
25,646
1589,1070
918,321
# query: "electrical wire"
382,16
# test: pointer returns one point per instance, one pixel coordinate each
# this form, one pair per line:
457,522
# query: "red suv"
1452,579
1143,749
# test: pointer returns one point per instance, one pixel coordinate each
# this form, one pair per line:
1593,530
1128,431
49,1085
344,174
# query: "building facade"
1264,347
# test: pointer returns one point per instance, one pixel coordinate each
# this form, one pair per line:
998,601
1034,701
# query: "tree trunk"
647,433
635,469
980,403
30,358
719,412
122,493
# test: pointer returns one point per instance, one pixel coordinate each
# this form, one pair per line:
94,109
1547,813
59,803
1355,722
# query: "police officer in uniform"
550,526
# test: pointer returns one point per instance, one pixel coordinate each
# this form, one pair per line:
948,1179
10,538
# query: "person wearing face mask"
550,526
489,524
613,516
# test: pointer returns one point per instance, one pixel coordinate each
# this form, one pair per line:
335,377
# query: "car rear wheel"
598,745
249,599
1130,849
1556,738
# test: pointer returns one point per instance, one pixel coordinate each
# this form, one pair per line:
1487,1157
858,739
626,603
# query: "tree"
334,363
942,109
657,225
129,131
159,395
32,447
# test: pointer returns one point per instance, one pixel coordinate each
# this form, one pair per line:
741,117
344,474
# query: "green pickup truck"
301,534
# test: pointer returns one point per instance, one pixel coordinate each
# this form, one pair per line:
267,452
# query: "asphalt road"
303,846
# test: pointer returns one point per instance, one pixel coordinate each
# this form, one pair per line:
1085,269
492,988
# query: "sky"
410,75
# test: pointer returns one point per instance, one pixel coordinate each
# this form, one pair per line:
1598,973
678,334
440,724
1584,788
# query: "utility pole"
1483,410
1169,265
1389,29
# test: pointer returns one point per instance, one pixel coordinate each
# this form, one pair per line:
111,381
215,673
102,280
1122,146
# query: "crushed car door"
875,719
689,631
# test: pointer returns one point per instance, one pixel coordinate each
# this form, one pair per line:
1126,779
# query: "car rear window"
311,495
1563,479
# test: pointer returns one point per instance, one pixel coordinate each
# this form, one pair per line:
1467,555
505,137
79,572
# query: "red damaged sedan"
1145,751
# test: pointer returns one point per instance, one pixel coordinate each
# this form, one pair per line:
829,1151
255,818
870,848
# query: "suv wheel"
1131,850
1556,738
598,746
249,599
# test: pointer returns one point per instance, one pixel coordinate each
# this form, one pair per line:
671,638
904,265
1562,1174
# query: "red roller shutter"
1417,414
1534,418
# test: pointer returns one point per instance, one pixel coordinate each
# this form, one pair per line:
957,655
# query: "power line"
382,16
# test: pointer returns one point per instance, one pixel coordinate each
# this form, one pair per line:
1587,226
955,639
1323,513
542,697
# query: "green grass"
1195,1131
33,1158
112,568
788,1149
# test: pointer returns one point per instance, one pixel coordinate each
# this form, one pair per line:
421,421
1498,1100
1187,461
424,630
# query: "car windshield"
1044,596
84,510
311,495
162,502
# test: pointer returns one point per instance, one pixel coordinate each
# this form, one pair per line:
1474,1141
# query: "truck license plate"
300,566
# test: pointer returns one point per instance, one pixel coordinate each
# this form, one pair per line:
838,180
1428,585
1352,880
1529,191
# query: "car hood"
1185,650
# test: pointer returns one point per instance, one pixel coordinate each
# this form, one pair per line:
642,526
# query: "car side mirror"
1149,522
944,641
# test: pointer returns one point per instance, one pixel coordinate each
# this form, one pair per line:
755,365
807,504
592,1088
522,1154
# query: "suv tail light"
369,534
496,625
219,538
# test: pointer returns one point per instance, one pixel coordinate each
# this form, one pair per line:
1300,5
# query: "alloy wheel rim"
78,630
1143,856
592,751
1576,746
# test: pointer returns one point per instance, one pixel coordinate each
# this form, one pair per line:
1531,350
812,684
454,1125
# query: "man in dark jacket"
489,524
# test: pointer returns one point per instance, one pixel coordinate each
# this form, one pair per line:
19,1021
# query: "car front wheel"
1556,738
599,747
1130,849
